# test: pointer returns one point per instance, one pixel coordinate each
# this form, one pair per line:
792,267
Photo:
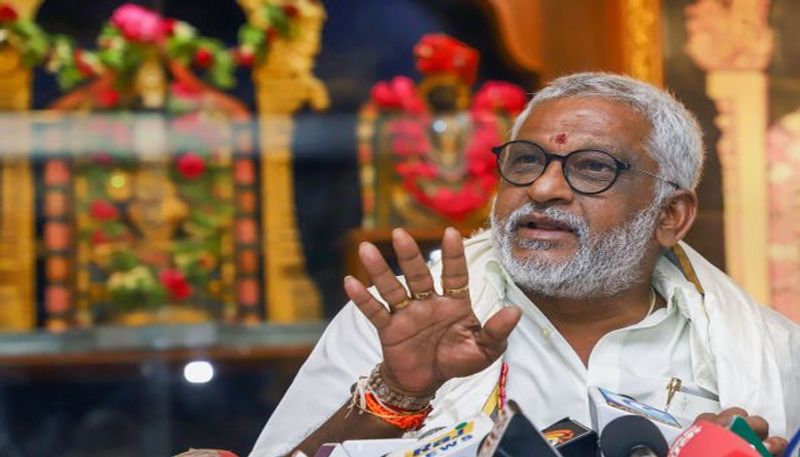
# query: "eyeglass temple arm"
672,183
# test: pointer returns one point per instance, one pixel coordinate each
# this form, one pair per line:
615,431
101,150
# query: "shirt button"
545,332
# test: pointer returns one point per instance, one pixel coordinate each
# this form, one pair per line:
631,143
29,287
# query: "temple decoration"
155,218
425,149
131,35
17,229
285,83
732,42
783,155
641,40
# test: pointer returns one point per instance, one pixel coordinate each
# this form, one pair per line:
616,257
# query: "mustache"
574,222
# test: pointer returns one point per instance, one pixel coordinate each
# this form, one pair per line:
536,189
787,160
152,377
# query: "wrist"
388,391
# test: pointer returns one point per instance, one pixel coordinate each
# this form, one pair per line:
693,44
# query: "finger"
726,416
374,310
759,425
708,417
390,289
494,334
454,264
418,276
776,445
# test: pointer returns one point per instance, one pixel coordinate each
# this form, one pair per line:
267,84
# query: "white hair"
675,140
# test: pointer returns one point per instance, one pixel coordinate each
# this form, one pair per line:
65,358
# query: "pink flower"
173,280
139,24
191,165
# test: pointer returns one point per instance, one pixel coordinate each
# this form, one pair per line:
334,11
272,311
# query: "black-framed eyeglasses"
587,171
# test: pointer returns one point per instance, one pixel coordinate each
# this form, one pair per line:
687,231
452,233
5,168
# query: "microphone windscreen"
626,434
706,438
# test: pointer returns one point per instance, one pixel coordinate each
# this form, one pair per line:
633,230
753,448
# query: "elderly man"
581,281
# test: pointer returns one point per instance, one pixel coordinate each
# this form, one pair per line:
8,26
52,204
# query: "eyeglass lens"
585,171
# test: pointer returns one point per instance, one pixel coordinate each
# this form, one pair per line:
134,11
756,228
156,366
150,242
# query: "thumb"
495,331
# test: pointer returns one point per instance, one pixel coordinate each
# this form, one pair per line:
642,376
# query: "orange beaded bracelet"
402,419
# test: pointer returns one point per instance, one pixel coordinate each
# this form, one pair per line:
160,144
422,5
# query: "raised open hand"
427,338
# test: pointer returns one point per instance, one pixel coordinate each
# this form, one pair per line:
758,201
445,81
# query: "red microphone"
704,439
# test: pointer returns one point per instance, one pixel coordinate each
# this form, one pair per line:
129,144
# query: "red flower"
99,237
499,95
203,58
83,67
7,14
102,159
191,165
168,26
291,11
138,24
107,97
398,93
439,53
173,280
243,58
103,211
272,34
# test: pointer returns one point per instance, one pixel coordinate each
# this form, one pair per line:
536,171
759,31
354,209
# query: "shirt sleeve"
348,348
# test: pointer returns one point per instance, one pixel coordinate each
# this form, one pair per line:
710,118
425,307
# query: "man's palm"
435,337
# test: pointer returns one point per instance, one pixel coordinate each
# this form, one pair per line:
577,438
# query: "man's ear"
676,218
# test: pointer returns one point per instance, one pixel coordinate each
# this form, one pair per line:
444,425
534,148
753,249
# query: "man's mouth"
540,227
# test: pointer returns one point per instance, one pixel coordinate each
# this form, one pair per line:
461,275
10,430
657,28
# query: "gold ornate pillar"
641,40
285,83
733,43
17,230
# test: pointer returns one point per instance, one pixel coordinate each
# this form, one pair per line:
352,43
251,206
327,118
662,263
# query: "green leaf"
278,19
68,77
252,35
222,71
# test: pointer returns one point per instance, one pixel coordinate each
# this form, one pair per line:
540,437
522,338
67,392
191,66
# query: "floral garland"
136,281
409,141
133,29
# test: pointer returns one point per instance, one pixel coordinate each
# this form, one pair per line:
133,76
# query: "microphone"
629,436
794,445
571,438
515,436
605,406
705,439
741,428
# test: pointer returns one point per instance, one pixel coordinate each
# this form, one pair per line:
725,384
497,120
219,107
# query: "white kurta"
721,342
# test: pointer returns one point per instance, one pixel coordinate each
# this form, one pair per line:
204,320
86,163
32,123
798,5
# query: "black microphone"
572,439
513,435
632,436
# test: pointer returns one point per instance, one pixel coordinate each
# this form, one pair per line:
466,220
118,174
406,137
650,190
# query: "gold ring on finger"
422,295
401,305
458,292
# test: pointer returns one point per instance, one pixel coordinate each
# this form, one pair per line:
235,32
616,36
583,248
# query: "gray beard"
605,264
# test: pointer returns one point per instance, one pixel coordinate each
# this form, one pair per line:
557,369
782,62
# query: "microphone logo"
558,437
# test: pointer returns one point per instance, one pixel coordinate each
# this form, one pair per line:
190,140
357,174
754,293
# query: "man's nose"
551,186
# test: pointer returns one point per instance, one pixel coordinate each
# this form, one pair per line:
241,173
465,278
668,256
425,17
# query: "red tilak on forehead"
561,138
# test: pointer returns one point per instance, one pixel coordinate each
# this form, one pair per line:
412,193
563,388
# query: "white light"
440,126
198,372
